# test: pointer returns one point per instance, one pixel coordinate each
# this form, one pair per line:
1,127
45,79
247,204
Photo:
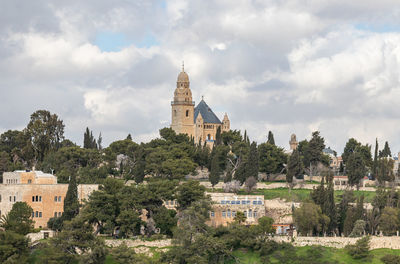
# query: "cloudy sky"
290,66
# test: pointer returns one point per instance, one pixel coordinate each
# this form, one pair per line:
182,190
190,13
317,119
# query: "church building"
198,122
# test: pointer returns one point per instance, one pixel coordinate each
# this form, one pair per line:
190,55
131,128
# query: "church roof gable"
206,112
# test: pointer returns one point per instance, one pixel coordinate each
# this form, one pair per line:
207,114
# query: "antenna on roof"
183,66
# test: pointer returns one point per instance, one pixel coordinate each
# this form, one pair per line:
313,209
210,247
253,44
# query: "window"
40,214
229,213
222,202
243,202
254,202
59,214
36,214
55,214
233,213
233,202
40,198
29,181
208,136
36,198
212,214
255,214
55,198
187,112
33,214
250,214
15,198
33,198
223,214
59,198
10,198
259,202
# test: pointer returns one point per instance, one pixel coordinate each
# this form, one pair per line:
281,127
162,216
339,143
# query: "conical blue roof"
206,112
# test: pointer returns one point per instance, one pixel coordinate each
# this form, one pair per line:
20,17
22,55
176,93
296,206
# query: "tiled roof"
206,112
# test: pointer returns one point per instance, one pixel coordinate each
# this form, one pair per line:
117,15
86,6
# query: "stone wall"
392,242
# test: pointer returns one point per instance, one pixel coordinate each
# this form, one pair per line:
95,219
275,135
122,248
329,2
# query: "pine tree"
271,139
245,136
71,204
375,164
329,206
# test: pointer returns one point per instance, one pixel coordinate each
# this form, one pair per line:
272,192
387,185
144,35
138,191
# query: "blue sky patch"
111,41
380,28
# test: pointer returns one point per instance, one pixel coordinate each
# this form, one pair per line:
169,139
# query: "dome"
183,77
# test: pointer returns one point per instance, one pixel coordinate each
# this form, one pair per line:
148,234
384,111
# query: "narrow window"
229,213
33,214
15,198
40,214
55,198
29,181
36,214
10,198
59,198
33,198
36,198
59,214
55,214
223,214
255,214
250,213
187,112
40,198
212,214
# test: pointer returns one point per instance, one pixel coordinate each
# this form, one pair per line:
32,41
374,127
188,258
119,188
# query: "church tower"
183,106
226,124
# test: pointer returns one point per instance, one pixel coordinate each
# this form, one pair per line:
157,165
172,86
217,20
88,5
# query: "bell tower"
182,106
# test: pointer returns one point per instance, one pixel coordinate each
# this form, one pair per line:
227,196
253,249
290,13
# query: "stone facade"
198,122
42,193
226,205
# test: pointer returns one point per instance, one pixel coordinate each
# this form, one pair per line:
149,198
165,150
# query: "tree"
71,203
13,247
294,167
272,159
240,217
309,219
89,142
129,137
46,132
356,169
215,171
375,164
218,138
19,219
189,192
360,249
271,139
389,221
252,162
250,184
353,146
358,229
315,147
390,259
385,170
99,142
346,198
385,153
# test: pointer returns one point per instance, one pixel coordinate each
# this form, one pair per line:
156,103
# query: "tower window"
187,112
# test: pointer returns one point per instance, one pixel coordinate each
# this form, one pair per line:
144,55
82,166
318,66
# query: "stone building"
293,143
198,122
40,191
226,206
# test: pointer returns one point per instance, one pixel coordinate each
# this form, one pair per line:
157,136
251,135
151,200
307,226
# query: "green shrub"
360,249
390,259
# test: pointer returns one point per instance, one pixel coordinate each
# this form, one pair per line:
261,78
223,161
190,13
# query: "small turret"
226,124
293,142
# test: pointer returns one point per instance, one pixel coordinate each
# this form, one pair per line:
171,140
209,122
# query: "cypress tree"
271,139
252,162
71,204
218,138
89,142
129,137
99,141
375,164
215,170
385,152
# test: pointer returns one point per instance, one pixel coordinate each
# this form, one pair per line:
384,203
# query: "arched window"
187,112
208,136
